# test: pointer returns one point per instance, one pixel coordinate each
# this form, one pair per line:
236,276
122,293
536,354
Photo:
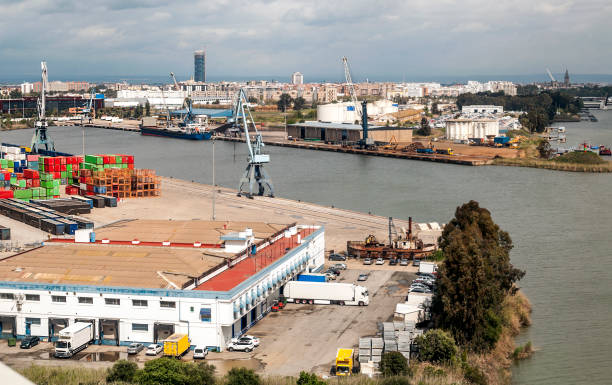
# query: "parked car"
330,276
393,262
29,341
404,262
241,345
200,352
340,266
363,277
367,261
380,261
154,349
337,257
248,337
419,289
416,262
135,348
333,270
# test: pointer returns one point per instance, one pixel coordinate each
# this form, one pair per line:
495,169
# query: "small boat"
604,151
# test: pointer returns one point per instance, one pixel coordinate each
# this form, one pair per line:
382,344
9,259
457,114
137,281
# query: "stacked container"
365,349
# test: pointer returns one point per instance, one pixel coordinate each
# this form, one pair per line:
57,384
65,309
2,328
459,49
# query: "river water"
560,222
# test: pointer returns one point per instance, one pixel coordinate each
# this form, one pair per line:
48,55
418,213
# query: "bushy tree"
242,376
284,102
425,128
298,103
475,277
393,364
122,370
437,346
168,371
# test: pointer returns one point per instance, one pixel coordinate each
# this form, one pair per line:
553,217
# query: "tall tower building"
566,79
199,63
297,78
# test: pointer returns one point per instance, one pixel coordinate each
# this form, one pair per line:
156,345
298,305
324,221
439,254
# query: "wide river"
560,222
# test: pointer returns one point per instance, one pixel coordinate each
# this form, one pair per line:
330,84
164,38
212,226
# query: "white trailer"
73,339
427,267
325,293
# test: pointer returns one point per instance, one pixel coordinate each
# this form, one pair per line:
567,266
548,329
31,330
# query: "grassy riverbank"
554,165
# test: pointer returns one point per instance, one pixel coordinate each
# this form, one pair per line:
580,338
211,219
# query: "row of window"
89,300
135,327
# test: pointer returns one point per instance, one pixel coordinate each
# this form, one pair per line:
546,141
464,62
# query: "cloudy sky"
403,39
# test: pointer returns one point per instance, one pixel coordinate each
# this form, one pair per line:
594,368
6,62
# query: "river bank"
552,165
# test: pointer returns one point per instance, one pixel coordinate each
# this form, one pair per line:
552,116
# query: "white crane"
176,86
550,75
40,140
351,87
255,172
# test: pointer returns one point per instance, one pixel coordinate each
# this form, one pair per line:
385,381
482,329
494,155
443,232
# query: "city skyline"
270,39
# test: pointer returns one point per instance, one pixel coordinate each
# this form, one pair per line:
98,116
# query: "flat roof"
346,126
206,232
109,265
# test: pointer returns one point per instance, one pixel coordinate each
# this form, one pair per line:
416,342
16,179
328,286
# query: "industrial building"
338,133
345,112
482,109
297,78
465,128
143,280
28,105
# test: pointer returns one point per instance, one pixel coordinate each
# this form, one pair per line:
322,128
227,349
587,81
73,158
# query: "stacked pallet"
378,345
404,342
389,337
120,182
365,349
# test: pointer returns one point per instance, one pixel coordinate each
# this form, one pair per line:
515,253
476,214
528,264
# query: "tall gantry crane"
176,86
40,140
255,174
351,87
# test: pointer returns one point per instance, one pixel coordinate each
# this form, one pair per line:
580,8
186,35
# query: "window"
7,296
140,302
112,301
58,298
140,327
33,321
86,300
205,314
167,304
32,297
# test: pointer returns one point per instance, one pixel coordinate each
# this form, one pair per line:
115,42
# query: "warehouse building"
344,132
144,280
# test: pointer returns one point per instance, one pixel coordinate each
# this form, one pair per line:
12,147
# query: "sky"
246,39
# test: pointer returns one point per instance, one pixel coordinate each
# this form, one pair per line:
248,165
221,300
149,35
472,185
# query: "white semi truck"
325,293
73,339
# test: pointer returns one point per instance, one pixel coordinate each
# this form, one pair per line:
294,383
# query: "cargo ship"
191,133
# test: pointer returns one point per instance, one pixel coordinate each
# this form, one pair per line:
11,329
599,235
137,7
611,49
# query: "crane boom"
550,75
351,87
40,140
175,82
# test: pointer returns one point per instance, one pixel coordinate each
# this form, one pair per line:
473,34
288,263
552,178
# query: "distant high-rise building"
199,62
566,79
297,78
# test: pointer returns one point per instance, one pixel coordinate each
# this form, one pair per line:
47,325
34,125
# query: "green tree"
437,346
242,376
393,364
475,277
425,128
252,99
309,379
168,371
15,94
284,102
148,109
434,108
545,150
298,103
122,370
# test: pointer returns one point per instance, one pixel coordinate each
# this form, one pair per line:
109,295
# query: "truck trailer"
176,345
312,277
345,363
326,293
73,339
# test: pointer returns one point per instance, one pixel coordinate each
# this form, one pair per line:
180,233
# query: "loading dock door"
55,325
162,331
8,326
109,332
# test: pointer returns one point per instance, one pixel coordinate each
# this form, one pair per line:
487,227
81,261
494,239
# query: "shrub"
393,364
242,376
436,346
474,375
168,371
310,379
122,370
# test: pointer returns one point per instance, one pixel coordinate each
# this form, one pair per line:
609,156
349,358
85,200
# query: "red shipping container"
7,176
131,166
62,160
5,194
131,159
35,182
107,159
63,167
57,175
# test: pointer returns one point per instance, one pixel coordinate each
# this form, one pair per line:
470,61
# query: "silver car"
135,348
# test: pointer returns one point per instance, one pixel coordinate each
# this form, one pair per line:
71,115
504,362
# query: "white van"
200,352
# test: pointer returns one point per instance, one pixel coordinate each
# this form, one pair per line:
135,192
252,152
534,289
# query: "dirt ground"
299,337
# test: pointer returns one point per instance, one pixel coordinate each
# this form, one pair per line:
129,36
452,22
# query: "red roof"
246,268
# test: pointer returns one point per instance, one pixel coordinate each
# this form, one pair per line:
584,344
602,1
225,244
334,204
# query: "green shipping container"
68,167
56,190
42,193
23,194
22,183
94,159
118,159
49,192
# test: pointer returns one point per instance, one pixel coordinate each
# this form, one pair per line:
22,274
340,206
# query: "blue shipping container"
312,278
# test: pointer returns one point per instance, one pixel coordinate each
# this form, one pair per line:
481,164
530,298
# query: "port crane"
255,174
351,87
176,86
40,140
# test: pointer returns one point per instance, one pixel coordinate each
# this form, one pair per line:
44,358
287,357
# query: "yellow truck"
345,362
176,345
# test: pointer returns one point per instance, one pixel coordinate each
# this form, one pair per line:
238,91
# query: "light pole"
214,194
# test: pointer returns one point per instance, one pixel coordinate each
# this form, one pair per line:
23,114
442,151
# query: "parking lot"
299,337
